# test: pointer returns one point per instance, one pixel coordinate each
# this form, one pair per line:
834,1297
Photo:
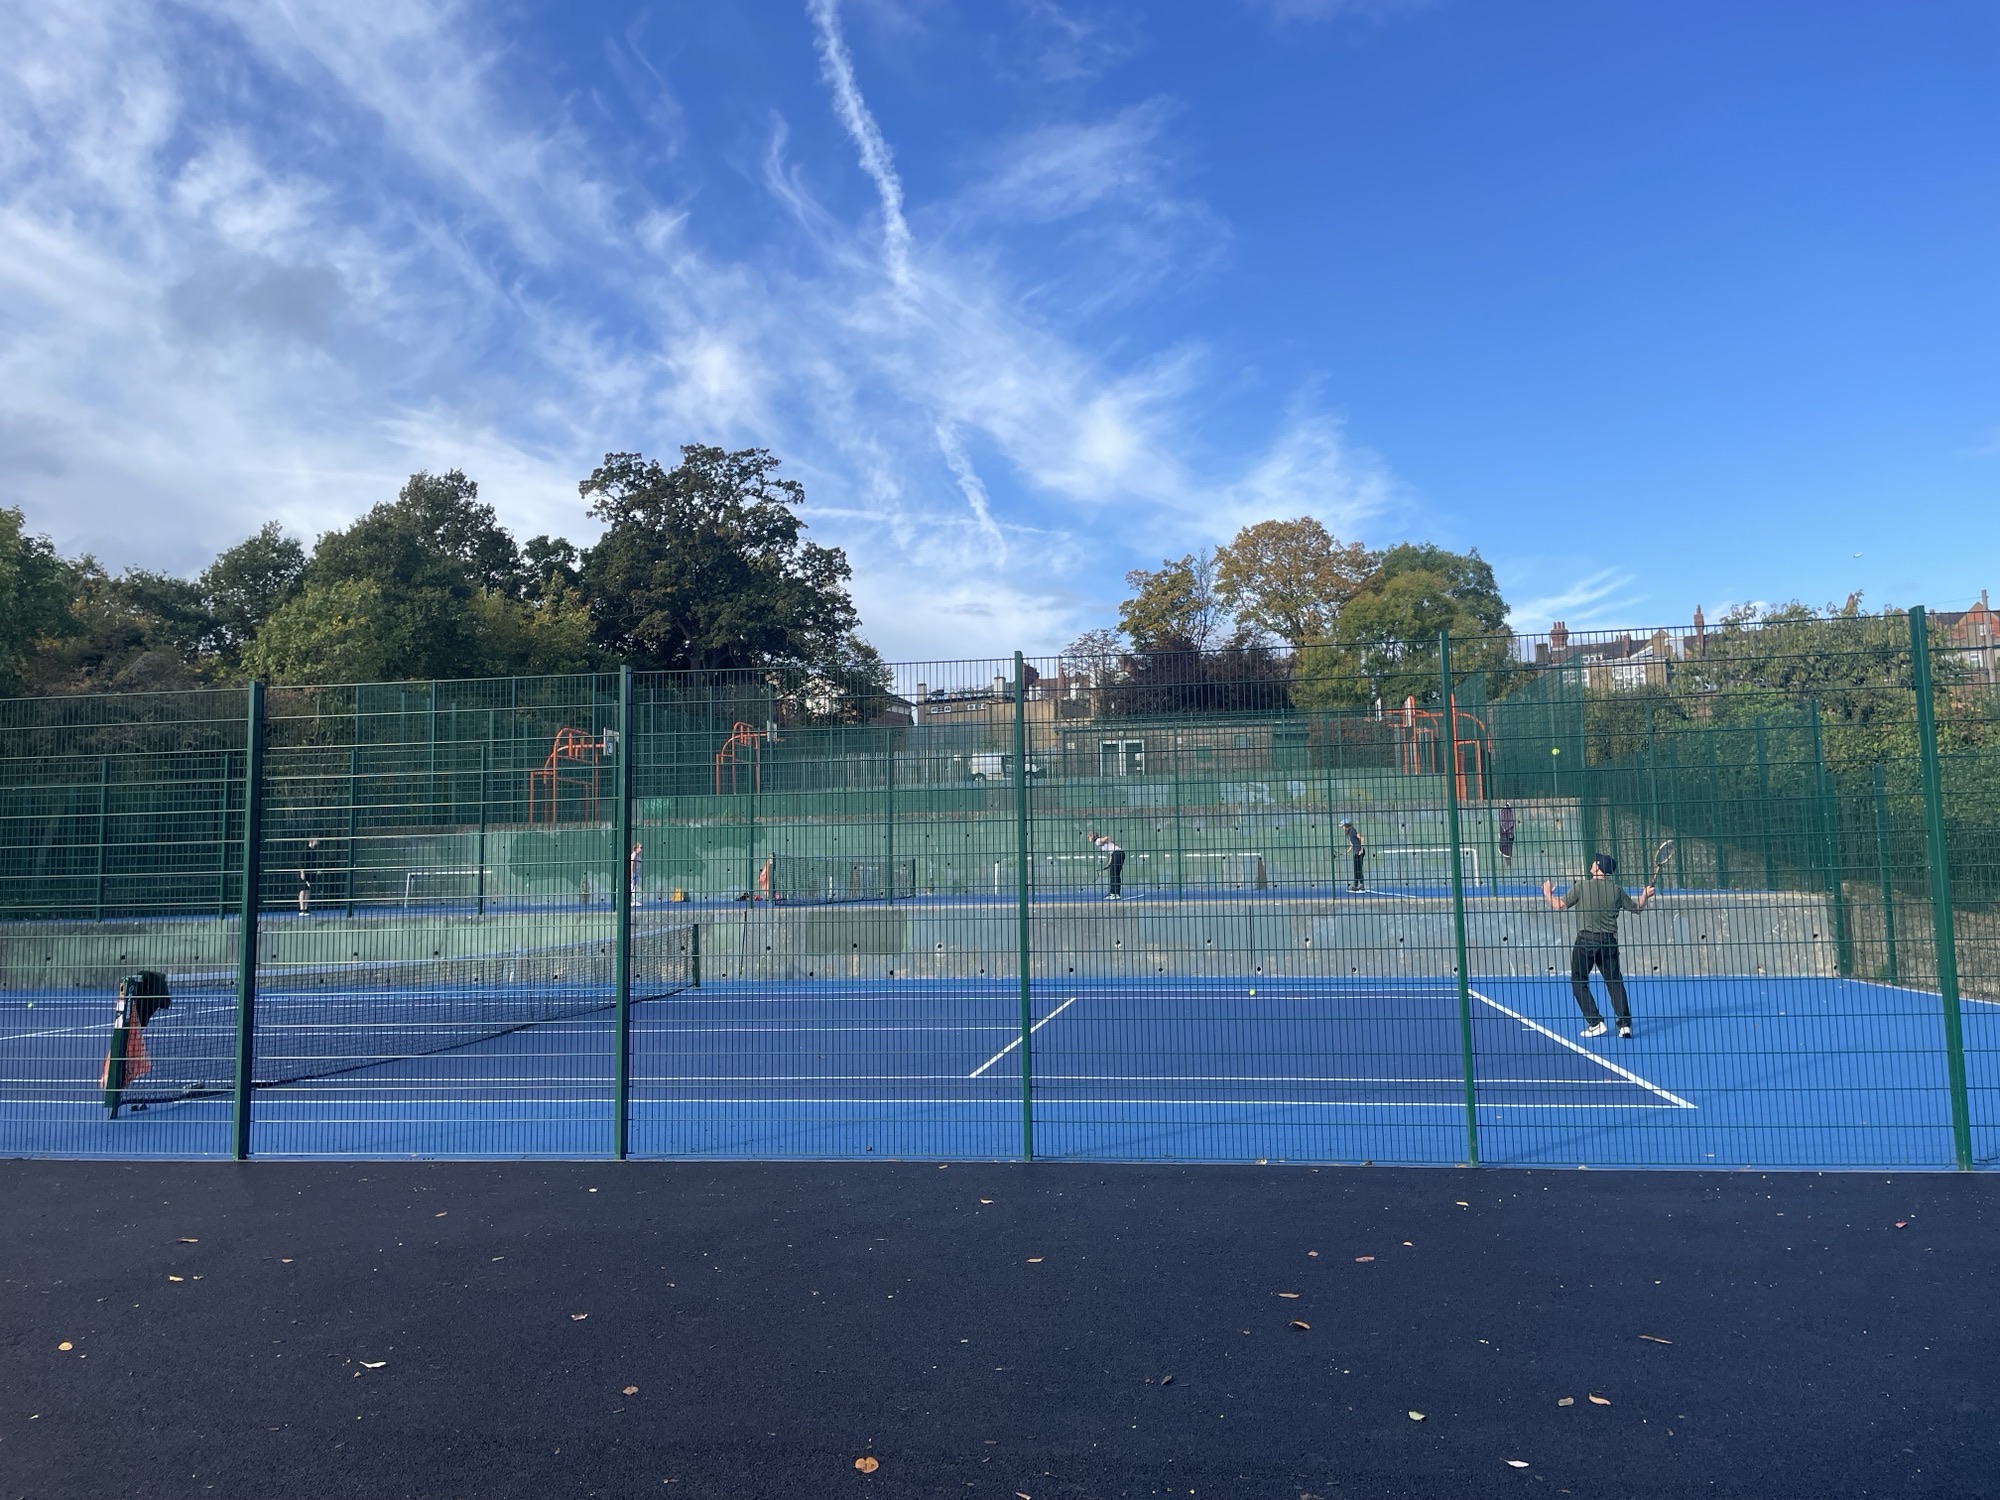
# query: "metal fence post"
1891,971
246,937
485,789
1023,937
103,791
1449,707
1941,914
889,816
353,785
1829,839
621,971
1764,806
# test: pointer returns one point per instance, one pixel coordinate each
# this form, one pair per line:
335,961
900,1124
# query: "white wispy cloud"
1599,598
380,244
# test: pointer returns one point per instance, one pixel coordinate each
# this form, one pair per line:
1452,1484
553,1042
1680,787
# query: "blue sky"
1654,304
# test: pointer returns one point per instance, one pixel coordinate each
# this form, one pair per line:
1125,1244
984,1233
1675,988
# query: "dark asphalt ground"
443,1330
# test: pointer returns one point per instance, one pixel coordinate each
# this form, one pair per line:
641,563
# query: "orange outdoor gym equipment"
1471,745
572,748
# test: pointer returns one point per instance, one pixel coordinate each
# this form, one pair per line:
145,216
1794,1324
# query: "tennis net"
325,1019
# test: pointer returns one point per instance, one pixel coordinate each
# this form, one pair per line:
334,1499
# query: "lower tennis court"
1723,1072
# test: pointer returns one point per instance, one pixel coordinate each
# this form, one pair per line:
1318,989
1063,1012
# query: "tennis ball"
1253,992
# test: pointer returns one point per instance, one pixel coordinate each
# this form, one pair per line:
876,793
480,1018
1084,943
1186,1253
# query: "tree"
36,587
428,555
1383,646
1092,658
1289,579
1174,607
243,586
330,632
705,566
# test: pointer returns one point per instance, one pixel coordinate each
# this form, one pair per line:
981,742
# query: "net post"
694,954
1892,970
246,936
621,973
889,814
1449,705
1940,872
1022,935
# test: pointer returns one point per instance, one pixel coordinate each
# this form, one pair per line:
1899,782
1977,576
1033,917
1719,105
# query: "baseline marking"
1625,1073
1017,1041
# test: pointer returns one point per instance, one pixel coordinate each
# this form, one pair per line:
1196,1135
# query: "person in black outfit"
1357,847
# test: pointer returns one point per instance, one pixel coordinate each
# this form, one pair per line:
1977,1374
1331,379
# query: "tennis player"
1507,835
1114,863
1357,847
1597,902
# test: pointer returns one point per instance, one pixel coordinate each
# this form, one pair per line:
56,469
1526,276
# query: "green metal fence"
757,914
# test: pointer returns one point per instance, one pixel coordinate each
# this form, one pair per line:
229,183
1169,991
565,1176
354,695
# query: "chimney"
917,708
1700,633
999,687
1558,636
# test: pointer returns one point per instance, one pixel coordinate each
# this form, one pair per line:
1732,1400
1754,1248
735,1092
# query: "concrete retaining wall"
1705,933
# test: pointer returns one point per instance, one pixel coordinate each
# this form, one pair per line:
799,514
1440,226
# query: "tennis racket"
1662,857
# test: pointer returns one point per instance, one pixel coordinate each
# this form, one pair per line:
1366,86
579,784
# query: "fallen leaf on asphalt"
867,1465
1651,1340
1900,1223
184,1240
1416,1416
1597,1400
1462,1203
373,1364
1293,1295
285,1260
578,1317
65,1344
1301,1325
440,1216
1312,1252
985,1200
1517,1463
1166,1380
1363,1259
1412,1244
630,1390
1567,1401
177,1278
1034,1260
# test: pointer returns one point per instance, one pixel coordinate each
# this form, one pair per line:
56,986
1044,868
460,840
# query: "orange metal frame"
742,737
572,747
1422,727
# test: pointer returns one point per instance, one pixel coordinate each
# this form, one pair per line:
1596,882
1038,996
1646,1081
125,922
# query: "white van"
991,765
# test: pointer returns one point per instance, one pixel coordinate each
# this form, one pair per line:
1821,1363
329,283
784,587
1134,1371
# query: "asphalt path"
889,1329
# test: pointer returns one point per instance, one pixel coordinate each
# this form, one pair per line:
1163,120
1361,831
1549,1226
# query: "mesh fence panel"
1177,906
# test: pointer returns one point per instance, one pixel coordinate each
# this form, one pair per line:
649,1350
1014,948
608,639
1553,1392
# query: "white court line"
1564,1041
1455,1081
1451,1106
1904,989
1017,1041
17,1036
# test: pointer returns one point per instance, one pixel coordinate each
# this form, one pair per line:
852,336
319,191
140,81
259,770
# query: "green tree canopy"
1289,579
1383,647
706,566
36,587
1174,607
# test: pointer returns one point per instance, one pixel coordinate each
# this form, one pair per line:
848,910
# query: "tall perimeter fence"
765,915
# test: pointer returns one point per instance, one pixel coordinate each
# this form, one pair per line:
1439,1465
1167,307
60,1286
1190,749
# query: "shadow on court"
742,1330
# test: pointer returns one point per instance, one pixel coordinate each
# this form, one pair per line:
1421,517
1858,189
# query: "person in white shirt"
1114,861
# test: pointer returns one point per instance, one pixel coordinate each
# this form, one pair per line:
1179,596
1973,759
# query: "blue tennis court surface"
1723,1072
